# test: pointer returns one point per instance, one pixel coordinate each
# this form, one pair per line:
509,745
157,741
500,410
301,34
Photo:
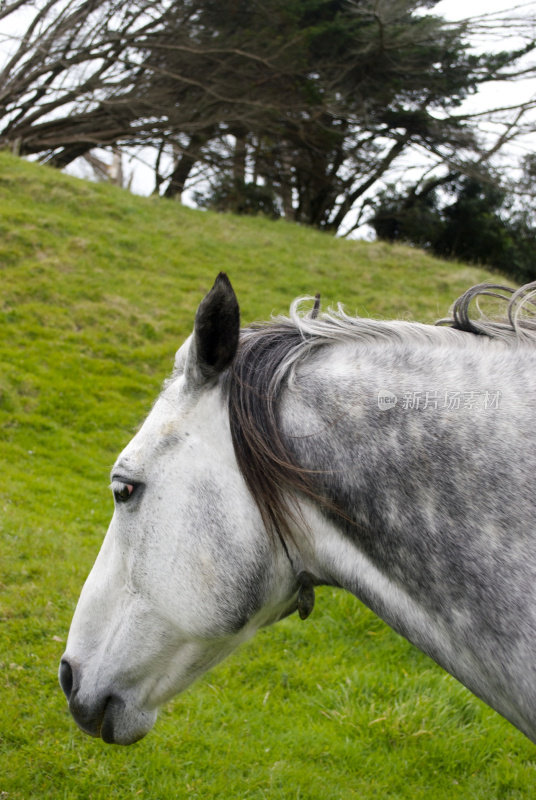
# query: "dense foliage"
467,218
292,107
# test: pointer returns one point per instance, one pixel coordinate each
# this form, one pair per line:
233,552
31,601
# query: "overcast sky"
497,94
459,9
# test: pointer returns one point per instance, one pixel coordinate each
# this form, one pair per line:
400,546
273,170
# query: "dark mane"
254,390
268,354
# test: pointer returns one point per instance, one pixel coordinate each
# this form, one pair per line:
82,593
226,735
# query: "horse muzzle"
106,714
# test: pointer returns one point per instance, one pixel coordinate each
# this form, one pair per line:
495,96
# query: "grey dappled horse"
393,459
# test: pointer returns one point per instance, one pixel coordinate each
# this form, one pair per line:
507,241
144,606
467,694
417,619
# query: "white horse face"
186,571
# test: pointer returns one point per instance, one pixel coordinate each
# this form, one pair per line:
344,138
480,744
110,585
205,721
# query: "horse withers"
393,459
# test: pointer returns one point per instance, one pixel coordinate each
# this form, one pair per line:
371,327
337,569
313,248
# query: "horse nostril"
66,678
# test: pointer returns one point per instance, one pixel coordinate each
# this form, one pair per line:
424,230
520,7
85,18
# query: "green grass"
97,290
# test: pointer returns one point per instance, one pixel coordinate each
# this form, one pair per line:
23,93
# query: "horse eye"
123,492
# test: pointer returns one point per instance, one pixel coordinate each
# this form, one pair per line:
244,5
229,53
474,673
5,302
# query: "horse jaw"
116,692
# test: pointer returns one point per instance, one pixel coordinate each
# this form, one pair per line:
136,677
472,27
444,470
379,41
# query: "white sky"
460,9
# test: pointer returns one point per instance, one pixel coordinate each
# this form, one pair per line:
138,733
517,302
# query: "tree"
470,219
310,103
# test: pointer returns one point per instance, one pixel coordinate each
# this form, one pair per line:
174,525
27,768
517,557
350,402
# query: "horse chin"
113,719
125,724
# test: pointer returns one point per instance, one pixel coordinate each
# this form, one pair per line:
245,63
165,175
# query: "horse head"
186,571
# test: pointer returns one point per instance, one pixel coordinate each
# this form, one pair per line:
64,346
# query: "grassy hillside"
97,290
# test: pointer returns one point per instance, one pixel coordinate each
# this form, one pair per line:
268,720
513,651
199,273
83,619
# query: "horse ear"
216,330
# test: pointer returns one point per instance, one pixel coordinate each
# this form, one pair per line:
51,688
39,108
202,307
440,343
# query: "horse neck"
422,537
